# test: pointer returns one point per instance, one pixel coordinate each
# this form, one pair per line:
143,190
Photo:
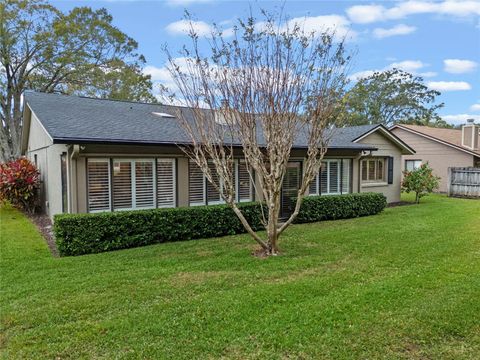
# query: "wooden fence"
464,181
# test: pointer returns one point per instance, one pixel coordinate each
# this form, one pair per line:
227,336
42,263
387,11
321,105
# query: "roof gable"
448,137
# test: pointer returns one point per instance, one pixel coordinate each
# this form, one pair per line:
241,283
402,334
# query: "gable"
427,146
384,139
34,135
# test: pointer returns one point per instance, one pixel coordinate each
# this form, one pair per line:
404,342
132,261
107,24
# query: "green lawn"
403,284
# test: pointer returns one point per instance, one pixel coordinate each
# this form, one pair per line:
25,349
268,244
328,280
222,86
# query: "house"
103,155
441,148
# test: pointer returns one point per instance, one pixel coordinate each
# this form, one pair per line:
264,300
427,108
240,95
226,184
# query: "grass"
403,284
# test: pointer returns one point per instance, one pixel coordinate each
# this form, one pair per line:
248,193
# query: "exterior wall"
48,157
386,148
77,168
439,156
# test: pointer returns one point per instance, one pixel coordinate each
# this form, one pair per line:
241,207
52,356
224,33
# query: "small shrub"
78,234
333,207
19,183
421,181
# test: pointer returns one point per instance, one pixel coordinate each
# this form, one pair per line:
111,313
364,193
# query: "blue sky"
439,40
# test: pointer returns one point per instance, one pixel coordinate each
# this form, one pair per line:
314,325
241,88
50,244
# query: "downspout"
73,178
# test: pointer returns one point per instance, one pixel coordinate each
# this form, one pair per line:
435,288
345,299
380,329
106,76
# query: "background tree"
80,52
421,181
393,96
263,90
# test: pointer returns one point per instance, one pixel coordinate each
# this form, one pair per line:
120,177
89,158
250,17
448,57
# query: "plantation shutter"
244,183
213,196
334,176
346,170
196,184
313,188
324,178
144,184
122,185
166,182
390,170
98,184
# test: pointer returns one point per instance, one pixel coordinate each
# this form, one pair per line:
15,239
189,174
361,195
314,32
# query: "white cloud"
400,29
411,66
361,74
449,85
457,66
319,24
183,27
365,14
460,118
475,107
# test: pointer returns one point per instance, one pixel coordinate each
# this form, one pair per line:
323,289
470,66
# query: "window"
166,181
411,165
334,178
98,184
202,192
244,183
126,184
373,170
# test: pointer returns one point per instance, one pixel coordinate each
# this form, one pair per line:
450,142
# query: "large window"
334,178
411,165
373,170
126,184
202,192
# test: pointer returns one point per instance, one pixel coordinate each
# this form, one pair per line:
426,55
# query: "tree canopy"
390,97
80,52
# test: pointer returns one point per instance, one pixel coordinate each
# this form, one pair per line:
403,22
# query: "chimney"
471,135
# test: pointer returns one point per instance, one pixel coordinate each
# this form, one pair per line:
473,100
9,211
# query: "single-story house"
102,155
441,148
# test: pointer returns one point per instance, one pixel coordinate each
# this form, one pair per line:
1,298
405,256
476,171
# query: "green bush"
78,234
318,208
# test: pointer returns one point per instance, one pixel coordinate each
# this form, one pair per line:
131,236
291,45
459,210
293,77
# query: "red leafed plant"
19,183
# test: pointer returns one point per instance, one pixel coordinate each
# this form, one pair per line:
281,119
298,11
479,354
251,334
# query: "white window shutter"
98,183
122,185
196,184
144,184
166,183
244,182
346,170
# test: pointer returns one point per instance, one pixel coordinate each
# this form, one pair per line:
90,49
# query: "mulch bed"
400,203
44,225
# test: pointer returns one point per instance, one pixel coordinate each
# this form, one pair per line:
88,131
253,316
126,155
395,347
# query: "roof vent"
164,115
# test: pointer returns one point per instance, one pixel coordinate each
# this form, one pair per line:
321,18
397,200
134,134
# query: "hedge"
78,234
333,207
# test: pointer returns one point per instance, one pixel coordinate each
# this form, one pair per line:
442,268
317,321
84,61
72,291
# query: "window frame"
375,180
412,160
154,160
340,173
110,192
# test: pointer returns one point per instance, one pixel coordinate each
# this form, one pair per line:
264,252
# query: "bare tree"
272,85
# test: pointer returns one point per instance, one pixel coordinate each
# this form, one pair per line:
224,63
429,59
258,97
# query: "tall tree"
269,86
79,52
390,97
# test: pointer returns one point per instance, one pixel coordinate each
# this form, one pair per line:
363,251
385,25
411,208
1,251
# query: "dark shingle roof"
75,119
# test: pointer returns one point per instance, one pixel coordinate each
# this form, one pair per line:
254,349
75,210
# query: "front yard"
403,284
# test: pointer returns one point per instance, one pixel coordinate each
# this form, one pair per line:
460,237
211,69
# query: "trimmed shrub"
78,234
318,208
19,183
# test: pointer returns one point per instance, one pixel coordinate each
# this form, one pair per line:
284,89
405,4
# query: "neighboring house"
441,148
102,155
